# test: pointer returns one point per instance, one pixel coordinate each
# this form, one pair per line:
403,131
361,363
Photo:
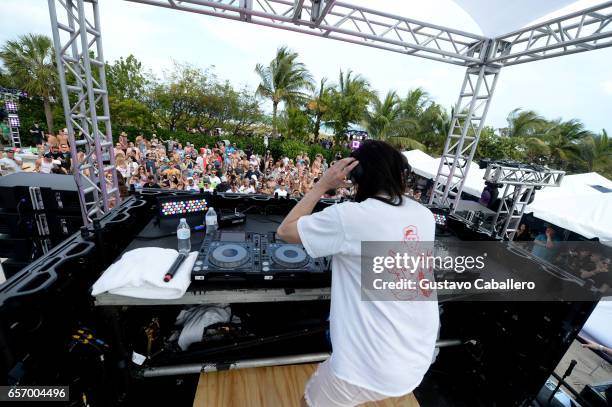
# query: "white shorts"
324,389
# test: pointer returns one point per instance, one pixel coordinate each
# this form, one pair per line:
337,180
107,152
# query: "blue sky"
574,86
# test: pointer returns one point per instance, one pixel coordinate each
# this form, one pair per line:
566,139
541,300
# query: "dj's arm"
334,177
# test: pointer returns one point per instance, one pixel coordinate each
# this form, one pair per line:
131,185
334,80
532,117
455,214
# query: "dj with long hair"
381,349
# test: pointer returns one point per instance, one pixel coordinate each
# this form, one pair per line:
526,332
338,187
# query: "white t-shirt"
384,346
200,161
281,193
10,165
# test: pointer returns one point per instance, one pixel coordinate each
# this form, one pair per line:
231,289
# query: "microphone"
174,267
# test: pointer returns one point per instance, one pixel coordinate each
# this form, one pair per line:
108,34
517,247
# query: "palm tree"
283,80
29,61
596,151
382,115
418,123
523,123
415,102
319,105
563,140
349,100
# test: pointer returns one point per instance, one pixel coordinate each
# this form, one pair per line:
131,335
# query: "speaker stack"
37,211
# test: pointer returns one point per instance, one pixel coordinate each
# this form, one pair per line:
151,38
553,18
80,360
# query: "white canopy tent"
597,327
426,166
581,204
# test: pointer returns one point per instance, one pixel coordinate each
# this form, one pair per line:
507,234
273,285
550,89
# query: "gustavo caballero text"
478,284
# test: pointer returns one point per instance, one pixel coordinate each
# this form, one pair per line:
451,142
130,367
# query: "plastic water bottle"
211,220
183,235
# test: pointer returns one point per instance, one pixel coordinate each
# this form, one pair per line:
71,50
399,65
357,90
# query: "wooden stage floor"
277,386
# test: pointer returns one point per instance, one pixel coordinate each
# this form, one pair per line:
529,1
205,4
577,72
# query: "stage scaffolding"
520,183
80,63
482,57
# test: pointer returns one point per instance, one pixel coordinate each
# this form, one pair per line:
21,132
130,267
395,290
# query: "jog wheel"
229,256
290,256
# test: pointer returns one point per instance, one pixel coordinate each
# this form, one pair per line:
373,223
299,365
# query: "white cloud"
607,86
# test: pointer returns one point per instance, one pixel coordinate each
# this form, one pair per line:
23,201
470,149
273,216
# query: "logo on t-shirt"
411,234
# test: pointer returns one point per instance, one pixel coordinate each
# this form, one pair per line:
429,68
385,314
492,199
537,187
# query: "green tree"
523,123
294,123
5,80
423,123
29,62
127,79
412,122
130,113
491,145
283,80
173,102
318,106
596,151
349,100
563,140
382,115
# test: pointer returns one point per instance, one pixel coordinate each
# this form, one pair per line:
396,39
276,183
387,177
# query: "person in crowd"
150,182
522,234
10,164
381,349
44,165
190,185
600,274
544,244
38,135
281,191
62,137
123,141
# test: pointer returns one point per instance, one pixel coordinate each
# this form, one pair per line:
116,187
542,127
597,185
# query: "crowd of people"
156,163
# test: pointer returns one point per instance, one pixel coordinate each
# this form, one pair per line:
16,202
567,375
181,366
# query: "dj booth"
247,282
490,353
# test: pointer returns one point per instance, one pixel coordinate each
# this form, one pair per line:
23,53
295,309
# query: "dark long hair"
382,170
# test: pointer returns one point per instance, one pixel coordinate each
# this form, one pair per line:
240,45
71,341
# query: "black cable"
141,237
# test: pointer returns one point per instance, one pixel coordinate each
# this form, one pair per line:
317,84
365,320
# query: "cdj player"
247,256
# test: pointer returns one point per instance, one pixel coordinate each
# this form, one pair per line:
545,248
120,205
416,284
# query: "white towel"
196,319
140,273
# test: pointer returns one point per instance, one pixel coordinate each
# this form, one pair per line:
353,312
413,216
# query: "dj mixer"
237,255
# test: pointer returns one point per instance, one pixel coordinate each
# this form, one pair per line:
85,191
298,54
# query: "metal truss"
520,182
80,63
513,202
345,22
466,124
585,30
578,32
514,173
13,118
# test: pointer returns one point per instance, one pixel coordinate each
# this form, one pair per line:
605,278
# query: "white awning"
426,166
582,204
597,327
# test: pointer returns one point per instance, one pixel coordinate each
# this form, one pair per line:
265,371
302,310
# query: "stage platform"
267,387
